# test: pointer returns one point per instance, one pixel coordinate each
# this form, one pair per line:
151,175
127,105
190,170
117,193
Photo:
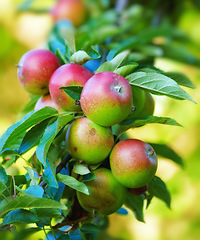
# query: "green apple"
88,141
106,194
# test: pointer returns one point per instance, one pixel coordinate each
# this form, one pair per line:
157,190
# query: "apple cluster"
106,100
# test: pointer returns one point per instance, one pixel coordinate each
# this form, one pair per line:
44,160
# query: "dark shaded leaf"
3,175
89,228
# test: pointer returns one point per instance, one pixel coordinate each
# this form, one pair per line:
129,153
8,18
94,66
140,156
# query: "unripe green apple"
133,163
138,100
35,69
45,101
106,194
72,10
106,98
70,74
149,106
88,141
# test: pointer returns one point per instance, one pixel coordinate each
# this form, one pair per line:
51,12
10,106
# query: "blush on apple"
106,98
133,163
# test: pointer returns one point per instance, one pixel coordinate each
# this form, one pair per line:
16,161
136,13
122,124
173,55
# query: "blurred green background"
22,32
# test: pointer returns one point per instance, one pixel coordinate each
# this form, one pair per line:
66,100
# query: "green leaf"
158,189
12,138
180,78
81,169
61,57
73,183
125,70
73,91
89,228
133,123
3,175
50,133
47,213
136,204
28,201
69,36
112,65
81,57
33,136
159,84
165,151
20,215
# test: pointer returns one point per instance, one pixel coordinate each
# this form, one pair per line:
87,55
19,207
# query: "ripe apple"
45,101
133,163
35,69
138,191
70,74
106,98
72,10
88,141
106,194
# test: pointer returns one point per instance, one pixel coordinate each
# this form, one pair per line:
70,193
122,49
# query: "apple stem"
118,88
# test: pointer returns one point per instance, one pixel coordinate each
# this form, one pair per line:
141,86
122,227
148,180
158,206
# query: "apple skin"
138,191
70,74
72,10
106,98
45,101
35,69
149,106
106,194
88,141
133,163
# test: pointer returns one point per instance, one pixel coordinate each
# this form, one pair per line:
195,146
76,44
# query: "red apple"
72,10
88,141
133,163
45,101
35,69
106,194
106,98
70,74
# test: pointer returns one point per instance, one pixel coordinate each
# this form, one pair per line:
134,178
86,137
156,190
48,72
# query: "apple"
35,69
106,98
72,10
138,100
88,141
138,191
149,106
106,194
70,74
45,101
133,163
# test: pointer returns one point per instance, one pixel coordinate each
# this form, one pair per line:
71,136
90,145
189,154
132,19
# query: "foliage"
126,42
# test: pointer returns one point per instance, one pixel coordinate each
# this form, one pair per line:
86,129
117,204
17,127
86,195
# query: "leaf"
158,189
73,91
180,78
125,70
35,191
73,183
33,136
133,123
3,175
136,204
20,215
27,201
159,84
81,57
165,151
13,136
69,36
60,56
48,212
89,228
81,169
50,133
112,65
